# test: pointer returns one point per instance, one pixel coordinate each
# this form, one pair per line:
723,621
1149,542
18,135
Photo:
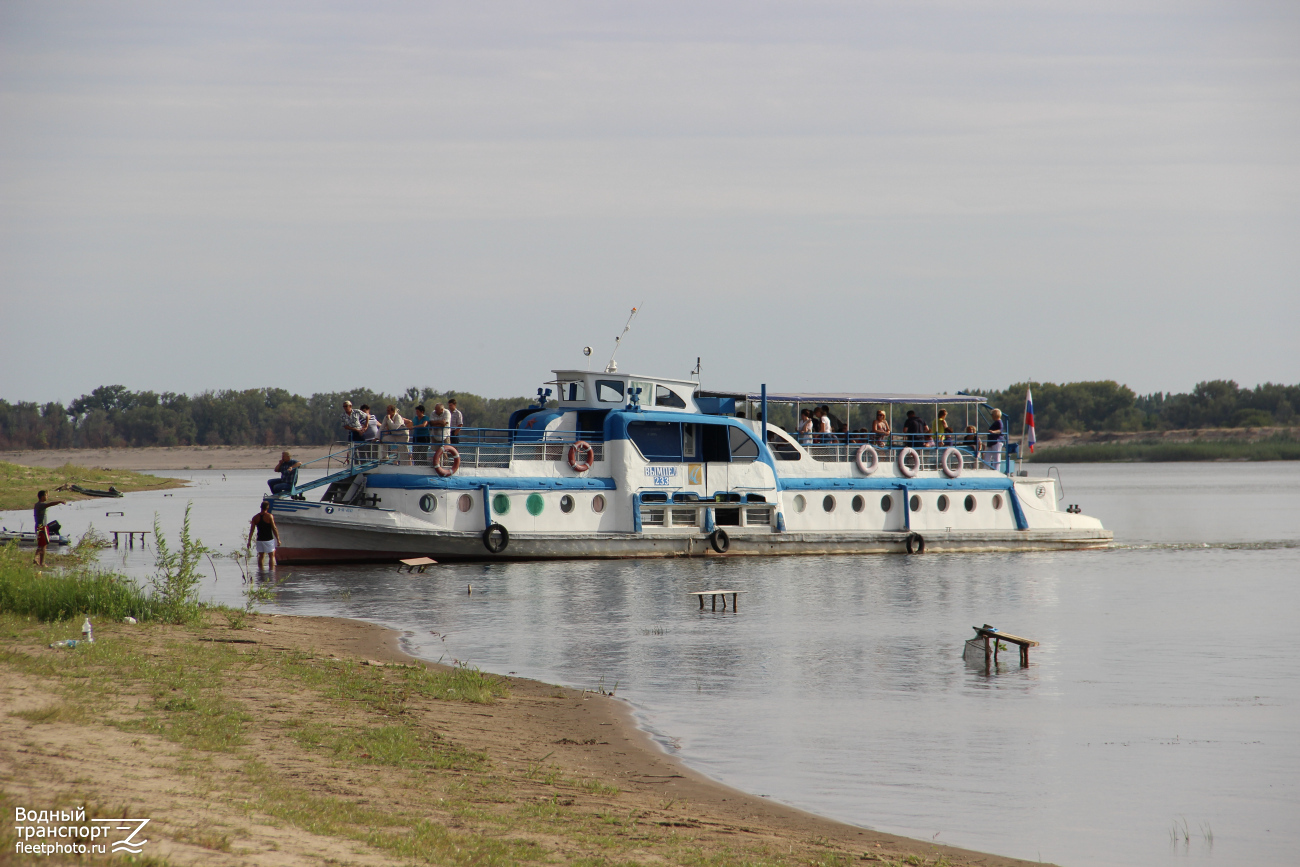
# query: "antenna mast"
612,367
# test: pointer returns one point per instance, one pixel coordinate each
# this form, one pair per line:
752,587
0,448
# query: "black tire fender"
496,546
719,541
915,543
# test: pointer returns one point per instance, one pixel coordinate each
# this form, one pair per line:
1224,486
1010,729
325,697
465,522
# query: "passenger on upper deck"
457,420
420,433
942,433
805,427
441,423
822,420
993,450
395,429
354,422
972,440
880,428
915,429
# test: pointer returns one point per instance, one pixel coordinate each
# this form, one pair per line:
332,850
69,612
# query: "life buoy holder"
496,538
866,459
440,455
915,543
904,468
576,461
719,541
946,461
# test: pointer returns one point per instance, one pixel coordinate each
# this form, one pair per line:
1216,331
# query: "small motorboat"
93,492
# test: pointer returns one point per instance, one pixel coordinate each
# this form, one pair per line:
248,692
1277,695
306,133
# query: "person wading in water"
268,535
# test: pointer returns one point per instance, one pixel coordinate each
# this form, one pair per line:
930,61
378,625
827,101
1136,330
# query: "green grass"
67,594
19,484
1275,448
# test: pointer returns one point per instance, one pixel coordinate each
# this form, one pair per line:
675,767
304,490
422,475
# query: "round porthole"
598,503
566,504
828,502
943,503
859,503
534,504
997,501
915,502
800,503
501,504
1040,491
970,502
886,503
428,503
465,503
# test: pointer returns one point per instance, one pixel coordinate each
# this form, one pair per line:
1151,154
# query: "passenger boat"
623,465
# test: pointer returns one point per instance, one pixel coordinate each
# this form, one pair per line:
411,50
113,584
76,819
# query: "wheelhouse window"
657,440
609,390
575,392
665,396
743,446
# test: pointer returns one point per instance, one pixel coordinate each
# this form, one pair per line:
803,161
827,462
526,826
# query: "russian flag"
1029,419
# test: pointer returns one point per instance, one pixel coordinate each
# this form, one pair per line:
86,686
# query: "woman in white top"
396,430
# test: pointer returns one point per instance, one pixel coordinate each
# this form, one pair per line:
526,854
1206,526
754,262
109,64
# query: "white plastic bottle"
87,632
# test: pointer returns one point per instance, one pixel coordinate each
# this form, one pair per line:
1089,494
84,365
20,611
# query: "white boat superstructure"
623,465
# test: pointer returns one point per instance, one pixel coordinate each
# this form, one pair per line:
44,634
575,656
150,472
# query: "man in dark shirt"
915,429
286,468
42,534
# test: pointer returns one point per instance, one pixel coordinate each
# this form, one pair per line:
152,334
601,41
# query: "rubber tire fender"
719,541
578,465
903,469
943,463
493,547
863,467
442,452
915,543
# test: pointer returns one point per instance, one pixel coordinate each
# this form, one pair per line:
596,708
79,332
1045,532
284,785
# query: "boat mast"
612,367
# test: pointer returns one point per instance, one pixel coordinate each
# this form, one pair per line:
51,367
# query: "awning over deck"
844,397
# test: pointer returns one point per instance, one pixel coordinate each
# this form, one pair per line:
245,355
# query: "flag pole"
1024,421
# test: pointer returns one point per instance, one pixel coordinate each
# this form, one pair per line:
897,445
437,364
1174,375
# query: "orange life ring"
441,453
581,465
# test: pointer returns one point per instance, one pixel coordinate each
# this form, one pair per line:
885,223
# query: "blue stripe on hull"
411,482
893,483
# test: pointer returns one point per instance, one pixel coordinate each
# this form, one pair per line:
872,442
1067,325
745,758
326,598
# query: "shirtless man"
268,534
42,534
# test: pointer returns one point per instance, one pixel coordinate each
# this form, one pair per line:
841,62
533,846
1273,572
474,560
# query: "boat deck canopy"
843,397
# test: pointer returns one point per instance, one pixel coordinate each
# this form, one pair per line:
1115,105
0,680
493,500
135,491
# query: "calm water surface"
1165,692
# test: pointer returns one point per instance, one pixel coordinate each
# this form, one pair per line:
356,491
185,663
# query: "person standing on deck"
395,430
805,427
420,431
941,430
354,422
42,532
993,450
915,429
268,534
457,421
441,424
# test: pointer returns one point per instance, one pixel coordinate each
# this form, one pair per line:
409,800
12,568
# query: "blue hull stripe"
891,483
410,482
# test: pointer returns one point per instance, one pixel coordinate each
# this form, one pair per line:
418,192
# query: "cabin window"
609,390
598,503
782,447
916,503
800,503
997,501
743,446
665,396
566,504
970,502
501,504
428,503
859,503
943,502
573,391
886,503
465,503
688,441
657,440
828,502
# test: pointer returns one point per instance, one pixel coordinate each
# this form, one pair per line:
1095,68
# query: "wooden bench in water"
986,632
715,594
416,563
130,535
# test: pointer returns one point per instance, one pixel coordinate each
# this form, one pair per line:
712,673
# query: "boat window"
782,447
886,503
859,503
609,390
943,502
573,391
970,502
916,503
566,504
665,396
828,502
643,391
743,446
657,440
598,503
465,503
997,501
800,503
688,441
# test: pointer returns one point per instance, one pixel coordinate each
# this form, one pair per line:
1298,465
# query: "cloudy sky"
906,196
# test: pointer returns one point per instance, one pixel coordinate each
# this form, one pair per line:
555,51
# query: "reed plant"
77,591
176,580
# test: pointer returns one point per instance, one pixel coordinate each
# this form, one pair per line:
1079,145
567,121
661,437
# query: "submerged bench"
420,563
130,536
986,632
715,594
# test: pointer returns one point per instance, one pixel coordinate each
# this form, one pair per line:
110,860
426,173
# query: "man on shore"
268,534
42,532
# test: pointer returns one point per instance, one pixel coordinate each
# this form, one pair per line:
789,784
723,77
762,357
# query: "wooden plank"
1005,636
419,561
715,592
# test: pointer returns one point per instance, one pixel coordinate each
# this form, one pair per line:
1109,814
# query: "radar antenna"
612,367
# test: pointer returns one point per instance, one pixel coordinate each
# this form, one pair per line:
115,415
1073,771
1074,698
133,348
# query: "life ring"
866,467
945,462
581,465
903,468
441,453
719,541
491,542
915,543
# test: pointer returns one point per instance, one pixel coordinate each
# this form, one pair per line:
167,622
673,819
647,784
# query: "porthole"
598,503
942,503
886,503
428,503
970,502
997,501
800,503
566,504
828,502
915,502
859,503
465,503
501,504
1040,491
534,504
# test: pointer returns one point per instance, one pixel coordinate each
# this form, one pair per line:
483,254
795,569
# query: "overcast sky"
899,196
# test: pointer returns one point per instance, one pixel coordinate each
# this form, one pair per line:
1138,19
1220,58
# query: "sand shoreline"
165,457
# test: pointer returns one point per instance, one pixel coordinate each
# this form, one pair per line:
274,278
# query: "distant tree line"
112,415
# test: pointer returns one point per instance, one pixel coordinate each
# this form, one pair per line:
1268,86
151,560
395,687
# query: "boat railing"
476,448
841,447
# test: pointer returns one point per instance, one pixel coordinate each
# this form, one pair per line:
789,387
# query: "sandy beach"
52,757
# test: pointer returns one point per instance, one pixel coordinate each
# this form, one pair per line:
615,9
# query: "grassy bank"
19,484
1277,448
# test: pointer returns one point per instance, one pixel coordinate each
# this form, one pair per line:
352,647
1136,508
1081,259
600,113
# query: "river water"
1158,722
